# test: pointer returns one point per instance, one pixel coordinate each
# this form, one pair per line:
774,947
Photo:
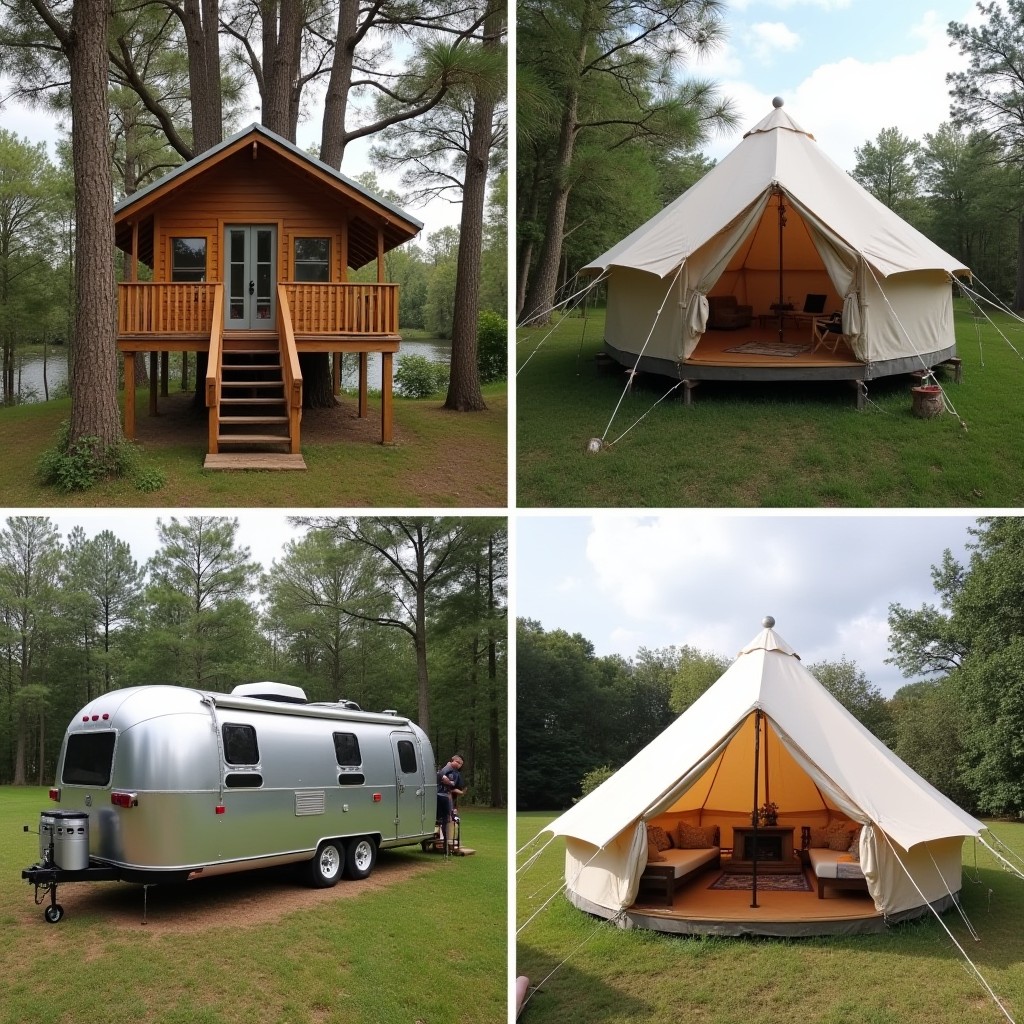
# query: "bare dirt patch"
243,900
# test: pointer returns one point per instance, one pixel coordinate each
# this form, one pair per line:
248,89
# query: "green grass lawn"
439,458
911,974
427,948
771,445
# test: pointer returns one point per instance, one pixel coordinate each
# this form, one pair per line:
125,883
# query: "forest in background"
603,100
958,722
400,613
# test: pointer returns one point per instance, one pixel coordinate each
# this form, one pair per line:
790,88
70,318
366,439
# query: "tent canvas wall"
722,237
821,762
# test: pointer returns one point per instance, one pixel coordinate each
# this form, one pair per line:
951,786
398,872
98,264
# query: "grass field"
769,445
426,943
911,974
439,458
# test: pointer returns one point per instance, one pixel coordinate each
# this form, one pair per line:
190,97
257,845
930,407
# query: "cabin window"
407,757
240,745
346,747
351,779
89,758
243,780
188,259
312,259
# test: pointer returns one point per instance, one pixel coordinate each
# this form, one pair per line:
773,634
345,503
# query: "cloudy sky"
264,533
845,68
706,579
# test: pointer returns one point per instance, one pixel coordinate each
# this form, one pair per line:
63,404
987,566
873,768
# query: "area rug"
765,883
770,348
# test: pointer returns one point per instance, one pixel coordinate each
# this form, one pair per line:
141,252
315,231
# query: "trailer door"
409,788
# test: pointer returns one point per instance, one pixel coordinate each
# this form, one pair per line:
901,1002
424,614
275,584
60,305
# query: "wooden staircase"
253,427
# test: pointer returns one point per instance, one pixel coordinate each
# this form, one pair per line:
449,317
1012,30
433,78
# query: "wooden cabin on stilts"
250,244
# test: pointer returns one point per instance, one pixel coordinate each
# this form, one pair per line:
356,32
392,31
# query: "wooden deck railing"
159,307
290,368
343,308
213,373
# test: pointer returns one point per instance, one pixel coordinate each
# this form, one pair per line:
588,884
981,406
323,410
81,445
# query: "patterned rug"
766,883
770,348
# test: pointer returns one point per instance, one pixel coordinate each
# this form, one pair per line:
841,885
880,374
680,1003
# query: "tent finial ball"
777,102
767,622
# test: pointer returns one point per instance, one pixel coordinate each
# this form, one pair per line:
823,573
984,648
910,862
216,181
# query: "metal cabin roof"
259,129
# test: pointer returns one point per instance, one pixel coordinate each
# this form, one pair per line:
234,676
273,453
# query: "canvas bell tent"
779,237
767,727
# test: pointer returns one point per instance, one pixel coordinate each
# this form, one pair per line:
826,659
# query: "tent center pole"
753,817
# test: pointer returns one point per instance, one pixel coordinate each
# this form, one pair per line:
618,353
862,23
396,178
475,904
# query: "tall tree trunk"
282,41
540,296
529,215
464,382
332,136
494,713
1018,291
201,20
94,411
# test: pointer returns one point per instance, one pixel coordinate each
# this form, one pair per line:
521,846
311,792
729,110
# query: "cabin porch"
253,383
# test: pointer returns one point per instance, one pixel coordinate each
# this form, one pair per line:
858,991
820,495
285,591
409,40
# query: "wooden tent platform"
700,910
714,349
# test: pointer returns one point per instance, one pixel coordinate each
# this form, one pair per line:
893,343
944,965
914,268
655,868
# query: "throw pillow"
854,851
653,856
657,837
819,839
839,836
696,837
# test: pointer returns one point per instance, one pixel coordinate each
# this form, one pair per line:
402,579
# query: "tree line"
403,613
610,131
959,722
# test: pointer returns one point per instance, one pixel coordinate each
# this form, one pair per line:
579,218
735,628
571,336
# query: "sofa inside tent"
767,732
774,222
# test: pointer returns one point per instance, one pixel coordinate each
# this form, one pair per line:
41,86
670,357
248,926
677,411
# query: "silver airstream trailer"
170,783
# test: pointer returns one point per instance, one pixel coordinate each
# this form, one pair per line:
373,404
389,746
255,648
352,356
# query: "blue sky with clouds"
706,579
846,68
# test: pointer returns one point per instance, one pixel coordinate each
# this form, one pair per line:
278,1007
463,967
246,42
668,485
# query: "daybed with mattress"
834,855
673,857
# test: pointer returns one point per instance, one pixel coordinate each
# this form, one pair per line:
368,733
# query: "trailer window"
243,780
346,748
407,757
351,779
240,744
89,758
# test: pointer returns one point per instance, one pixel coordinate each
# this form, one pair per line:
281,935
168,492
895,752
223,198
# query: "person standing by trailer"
450,786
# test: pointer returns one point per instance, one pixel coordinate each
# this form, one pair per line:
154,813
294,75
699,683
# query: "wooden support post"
165,363
129,395
385,399
364,365
380,255
688,386
337,374
133,262
152,383
862,394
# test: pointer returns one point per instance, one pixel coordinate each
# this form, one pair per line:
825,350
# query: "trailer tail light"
219,809
55,795
377,797
124,799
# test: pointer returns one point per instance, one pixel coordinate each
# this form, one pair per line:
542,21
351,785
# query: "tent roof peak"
768,640
778,118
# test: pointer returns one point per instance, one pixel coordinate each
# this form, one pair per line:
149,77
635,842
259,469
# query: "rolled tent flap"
851,315
697,314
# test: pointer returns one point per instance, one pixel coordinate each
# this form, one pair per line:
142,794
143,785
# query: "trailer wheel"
325,868
360,857
53,913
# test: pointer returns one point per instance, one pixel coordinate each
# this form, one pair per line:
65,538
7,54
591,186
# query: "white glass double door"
251,265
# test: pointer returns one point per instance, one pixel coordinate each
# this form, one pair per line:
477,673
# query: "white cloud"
785,5
847,102
767,40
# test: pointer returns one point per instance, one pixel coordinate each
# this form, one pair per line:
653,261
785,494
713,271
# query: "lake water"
436,350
